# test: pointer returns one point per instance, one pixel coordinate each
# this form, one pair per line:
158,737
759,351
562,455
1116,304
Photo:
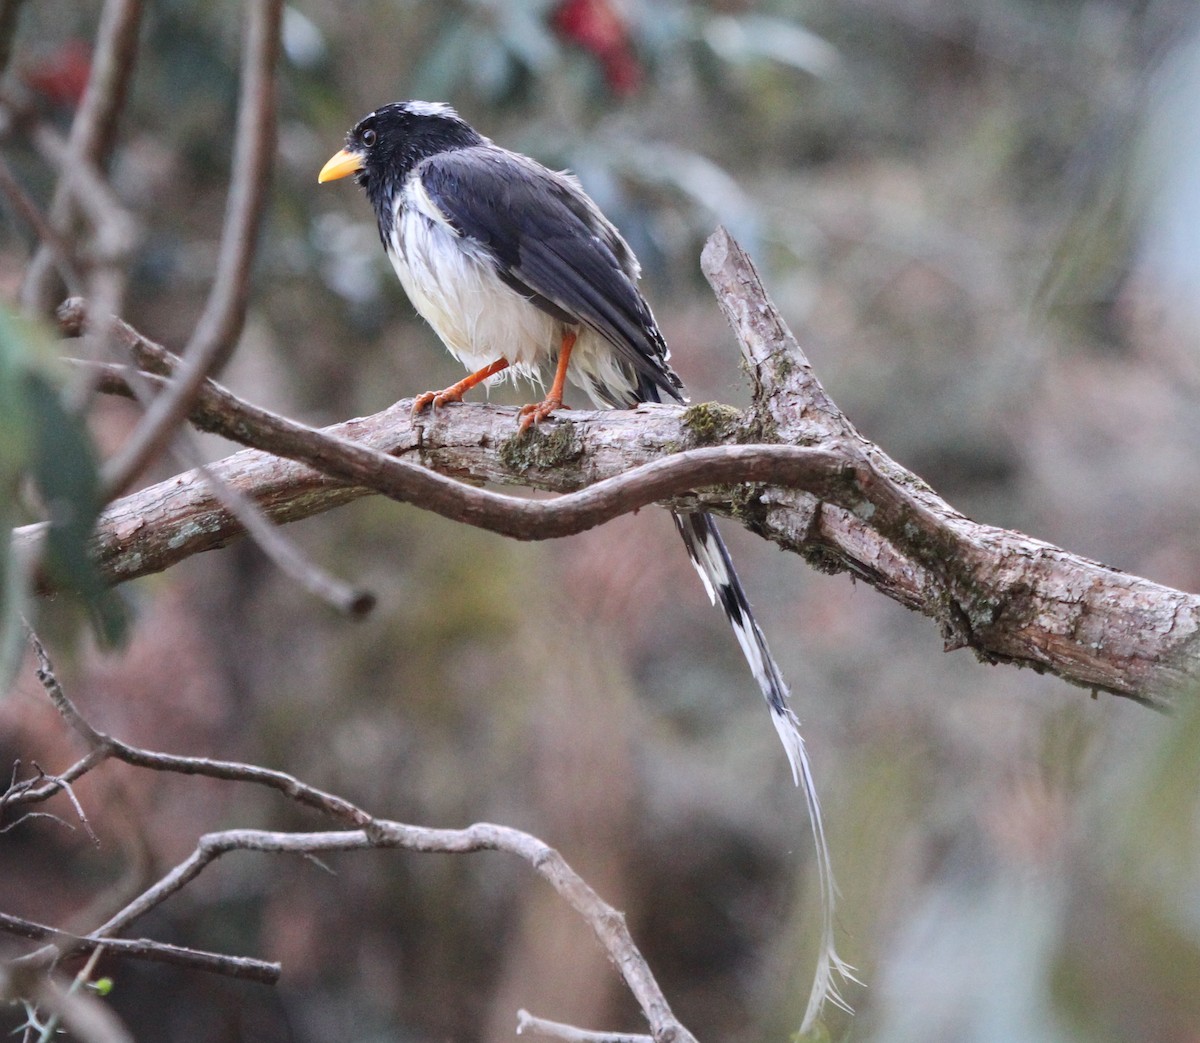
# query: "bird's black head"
385,145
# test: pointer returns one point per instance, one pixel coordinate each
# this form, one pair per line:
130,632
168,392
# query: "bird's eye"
368,138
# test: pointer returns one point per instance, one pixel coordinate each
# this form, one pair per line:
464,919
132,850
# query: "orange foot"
455,392
437,399
536,412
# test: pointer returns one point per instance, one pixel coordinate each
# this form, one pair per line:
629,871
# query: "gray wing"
551,244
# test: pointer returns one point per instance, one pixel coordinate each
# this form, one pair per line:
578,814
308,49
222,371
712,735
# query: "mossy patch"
711,423
541,449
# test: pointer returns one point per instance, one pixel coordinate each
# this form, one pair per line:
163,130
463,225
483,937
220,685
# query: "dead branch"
607,923
527,1023
793,469
100,747
68,944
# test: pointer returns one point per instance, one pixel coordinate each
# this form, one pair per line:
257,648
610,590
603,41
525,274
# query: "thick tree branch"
806,480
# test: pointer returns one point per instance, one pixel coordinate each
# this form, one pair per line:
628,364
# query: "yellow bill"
343,164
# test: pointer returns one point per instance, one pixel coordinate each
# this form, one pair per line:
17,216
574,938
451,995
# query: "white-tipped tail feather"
711,559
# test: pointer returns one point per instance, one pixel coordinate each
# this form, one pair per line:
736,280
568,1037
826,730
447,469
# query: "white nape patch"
430,108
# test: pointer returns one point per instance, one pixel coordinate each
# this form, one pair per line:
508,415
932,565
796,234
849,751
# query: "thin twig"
50,1029
58,249
116,232
369,832
527,1023
10,12
115,236
221,323
69,944
102,746
79,812
84,1016
347,599
92,131
606,922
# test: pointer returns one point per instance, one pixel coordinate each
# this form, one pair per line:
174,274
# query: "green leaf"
65,471
44,442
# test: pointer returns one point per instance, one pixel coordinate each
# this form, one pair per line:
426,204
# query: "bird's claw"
536,412
437,399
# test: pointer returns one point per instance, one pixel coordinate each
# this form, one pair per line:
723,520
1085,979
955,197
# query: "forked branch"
792,469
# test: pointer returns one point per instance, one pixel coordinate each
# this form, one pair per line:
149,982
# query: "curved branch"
606,922
221,322
818,489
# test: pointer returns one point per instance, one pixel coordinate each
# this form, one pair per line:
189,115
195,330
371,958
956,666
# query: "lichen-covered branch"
792,469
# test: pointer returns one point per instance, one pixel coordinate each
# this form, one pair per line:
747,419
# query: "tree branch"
68,944
807,480
221,322
606,922
92,130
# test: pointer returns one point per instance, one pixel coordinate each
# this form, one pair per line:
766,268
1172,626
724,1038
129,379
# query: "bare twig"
527,1023
69,944
79,812
284,554
369,832
349,600
220,324
102,746
58,249
92,130
10,12
50,1028
116,232
606,922
84,1016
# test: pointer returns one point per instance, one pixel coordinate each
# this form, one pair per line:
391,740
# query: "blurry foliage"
949,200
48,469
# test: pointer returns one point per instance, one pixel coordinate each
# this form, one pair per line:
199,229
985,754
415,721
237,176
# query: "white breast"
454,288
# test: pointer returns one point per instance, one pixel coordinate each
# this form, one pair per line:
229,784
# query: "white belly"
454,288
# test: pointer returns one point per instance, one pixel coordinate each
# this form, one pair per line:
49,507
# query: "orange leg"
536,412
455,392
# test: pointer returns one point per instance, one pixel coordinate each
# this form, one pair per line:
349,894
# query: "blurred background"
982,220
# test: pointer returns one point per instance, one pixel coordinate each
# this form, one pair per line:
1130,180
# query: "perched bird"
516,269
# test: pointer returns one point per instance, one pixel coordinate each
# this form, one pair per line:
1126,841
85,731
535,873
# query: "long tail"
711,559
